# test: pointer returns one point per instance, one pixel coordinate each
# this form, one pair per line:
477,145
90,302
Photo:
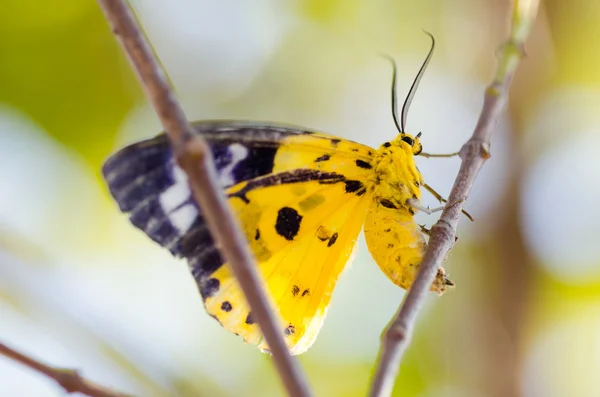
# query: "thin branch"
68,379
473,154
196,160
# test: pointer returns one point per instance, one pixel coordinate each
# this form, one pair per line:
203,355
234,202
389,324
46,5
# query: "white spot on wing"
171,200
238,153
183,217
177,194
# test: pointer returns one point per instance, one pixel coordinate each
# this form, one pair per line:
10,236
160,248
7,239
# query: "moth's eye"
408,140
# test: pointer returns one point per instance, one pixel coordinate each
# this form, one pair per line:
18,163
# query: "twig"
196,160
68,379
473,154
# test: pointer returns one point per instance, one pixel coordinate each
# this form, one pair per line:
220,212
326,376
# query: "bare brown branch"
473,154
68,379
196,160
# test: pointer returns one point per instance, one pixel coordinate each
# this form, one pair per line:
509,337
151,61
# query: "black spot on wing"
363,164
352,186
226,306
289,330
324,157
209,288
295,290
333,239
250,319
305,292
287,224
258,162
388,204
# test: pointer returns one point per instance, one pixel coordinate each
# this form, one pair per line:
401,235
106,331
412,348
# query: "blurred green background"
80,287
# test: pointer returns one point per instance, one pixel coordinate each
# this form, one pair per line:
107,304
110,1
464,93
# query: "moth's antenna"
413,87
394,99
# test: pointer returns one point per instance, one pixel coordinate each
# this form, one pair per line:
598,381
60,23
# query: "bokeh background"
80,287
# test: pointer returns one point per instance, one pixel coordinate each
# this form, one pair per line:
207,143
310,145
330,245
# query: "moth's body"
301,199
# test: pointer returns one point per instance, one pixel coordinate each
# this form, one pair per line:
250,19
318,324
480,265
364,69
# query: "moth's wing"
146,182
397,245
266,170
301,274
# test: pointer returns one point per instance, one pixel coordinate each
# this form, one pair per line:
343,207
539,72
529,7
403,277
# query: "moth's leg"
443,200
429,155
416,205
434,193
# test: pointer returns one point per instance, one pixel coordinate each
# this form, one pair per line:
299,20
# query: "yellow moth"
302,198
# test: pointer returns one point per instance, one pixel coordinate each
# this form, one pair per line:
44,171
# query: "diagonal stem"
473,154
196,160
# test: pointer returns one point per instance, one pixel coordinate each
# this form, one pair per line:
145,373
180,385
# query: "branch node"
496,89
475,147
196,147
396,333
443,228
69,379
484,150
515,47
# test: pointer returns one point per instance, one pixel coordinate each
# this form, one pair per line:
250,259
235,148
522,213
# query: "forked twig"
196,160
473,154
68,379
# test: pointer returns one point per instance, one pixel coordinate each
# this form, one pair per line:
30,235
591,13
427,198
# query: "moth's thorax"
396,177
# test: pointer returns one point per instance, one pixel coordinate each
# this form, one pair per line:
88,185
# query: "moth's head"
411,143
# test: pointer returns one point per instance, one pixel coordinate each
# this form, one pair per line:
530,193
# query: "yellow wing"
300,271
300,197
397,244
302,226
